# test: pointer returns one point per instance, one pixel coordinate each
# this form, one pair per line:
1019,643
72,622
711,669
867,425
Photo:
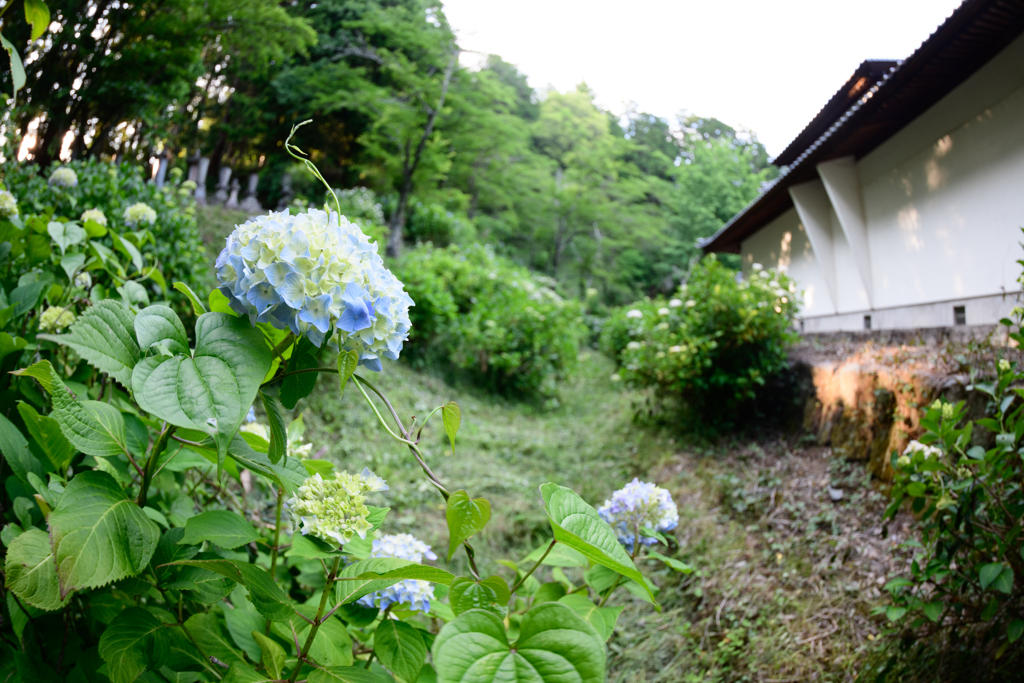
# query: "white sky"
765,65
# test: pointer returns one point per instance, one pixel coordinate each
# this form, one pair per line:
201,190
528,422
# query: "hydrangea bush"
713,343
153,529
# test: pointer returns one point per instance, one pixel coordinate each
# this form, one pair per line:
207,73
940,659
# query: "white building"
901,204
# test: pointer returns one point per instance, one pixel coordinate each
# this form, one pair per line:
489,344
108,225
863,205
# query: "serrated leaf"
400,648
272,654
159,326
332,645
104,336
47,435
554,644
267,597
98,534
197,304
466,517
310,548
213,638
345,674
348,361
243,673
212,390
17,68
78,421
38,15
278,447
295,387
131,644
491,594
577,525
65,235
451,417
220,527
16,452
377,573
31,573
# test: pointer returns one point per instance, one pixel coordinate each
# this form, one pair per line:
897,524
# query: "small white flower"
756,267
675,303
917,447
8,205
691,303
663,311
83,280
633,346
634,314
1004,365
616,377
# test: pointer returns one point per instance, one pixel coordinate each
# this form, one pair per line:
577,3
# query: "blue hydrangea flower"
317,275
636,505
414,594
63,177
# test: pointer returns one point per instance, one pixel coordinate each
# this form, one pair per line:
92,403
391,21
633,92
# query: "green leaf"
332,645
894,613
131,644
94,229
26,297
451,417
310,548
989,573
578,526
295,387
678,566
555,644
220,527
16,452
9,344
933,610
273,654
197,304
159,326
219,303
466,517
348,361
17,68
65,235
37,14
1004,582
1014,630
344,674
47,435
491,594
213,638
98,534
601,618
78,421
377,573
212,390
31,572
267,597
278,432
104,336
71,264
400,648
243,673
129,250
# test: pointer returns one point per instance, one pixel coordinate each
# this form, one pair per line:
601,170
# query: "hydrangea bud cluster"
411,592
334,510
139,213
637,505
55,319
8,205
94,215
63,177
915,447
83,280
313,273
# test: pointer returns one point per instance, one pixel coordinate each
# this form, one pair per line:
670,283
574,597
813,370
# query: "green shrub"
713,344
176,245
965,588
480,312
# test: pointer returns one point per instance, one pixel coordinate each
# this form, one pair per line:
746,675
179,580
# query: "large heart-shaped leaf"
65,235
31,572
98,534
105,337
554,644
400,648
466,516
211,390
577,524
160,326
601,618
220,527
491,594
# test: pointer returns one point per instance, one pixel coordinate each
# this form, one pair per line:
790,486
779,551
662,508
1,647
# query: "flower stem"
273,550
154,456
316,620
521,581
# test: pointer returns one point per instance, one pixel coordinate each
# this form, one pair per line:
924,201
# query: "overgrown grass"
786,578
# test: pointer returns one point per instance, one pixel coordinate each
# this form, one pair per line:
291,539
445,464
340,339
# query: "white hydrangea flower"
55,319
637,505
756,267
257,428
413,593
633,345
675,349
675,303
139,213
313,272
94,215
334,510
634,314
83,280
8,205
616,377
691,303
663,311
63,177
915,447
1004,365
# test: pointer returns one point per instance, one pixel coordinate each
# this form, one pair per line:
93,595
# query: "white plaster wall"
850,292
783,244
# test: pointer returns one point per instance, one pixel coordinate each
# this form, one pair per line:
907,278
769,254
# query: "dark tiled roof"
972,35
